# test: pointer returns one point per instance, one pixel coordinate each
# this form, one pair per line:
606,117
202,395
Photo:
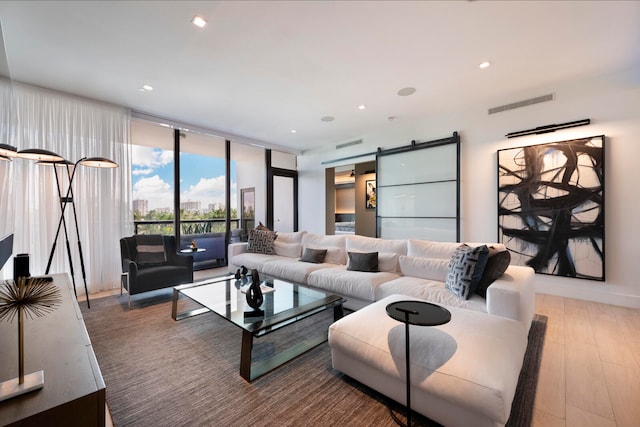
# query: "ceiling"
258,70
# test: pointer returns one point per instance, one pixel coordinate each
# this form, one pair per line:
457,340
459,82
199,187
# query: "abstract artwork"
551,206
370,194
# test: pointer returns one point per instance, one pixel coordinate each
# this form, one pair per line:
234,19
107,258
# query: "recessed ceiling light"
327,118
485,64
147,88
362,107
406,91
199,21
293,131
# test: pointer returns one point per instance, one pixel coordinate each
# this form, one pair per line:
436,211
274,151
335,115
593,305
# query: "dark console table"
74,391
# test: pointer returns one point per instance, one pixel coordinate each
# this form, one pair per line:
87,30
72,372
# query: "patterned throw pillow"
465,270
261,242
496,265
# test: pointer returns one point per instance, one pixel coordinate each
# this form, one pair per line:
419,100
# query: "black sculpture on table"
254,293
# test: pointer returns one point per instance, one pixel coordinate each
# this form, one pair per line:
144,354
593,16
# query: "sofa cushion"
261,242
465,270
425,268
335,246
291,269
291,250
295,237
497,264
360,261
356,284
315,256
430,290
257,261
464,372
429,249
150,248
355,243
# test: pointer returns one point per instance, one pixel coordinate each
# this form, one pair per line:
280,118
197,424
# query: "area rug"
161,372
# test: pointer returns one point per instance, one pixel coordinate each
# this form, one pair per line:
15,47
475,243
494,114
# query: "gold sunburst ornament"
30,297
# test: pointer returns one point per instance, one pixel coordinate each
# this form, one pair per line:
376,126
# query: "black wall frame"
438,221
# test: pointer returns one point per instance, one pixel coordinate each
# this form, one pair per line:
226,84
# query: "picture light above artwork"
548,128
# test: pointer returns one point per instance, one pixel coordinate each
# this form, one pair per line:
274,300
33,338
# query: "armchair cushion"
150,248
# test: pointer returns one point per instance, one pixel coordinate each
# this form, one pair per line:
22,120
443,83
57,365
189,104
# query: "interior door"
283,204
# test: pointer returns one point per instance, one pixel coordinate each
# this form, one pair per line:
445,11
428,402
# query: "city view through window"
202,192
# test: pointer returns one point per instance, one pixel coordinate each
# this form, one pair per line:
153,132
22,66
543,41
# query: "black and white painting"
551,206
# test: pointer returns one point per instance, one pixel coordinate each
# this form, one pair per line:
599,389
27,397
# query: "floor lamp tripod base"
13,388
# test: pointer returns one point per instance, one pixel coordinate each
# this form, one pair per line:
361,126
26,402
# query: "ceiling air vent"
539,99
349,144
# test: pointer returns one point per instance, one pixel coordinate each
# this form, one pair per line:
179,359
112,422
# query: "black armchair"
138,277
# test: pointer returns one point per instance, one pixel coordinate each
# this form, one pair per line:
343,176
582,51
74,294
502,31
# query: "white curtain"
74,128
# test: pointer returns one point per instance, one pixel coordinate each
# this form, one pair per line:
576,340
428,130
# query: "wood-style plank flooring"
590,369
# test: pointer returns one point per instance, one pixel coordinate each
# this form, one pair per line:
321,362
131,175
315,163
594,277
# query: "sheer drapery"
74,128
7,120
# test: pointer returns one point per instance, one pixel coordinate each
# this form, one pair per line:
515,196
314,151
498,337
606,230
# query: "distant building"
190,206
163,210
142,206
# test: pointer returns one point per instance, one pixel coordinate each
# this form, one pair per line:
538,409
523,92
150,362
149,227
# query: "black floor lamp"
44,157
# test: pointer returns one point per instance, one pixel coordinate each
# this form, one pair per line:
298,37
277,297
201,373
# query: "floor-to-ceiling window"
216,178
152,178
204,205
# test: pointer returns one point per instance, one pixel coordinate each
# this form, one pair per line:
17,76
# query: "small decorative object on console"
31,297
194,245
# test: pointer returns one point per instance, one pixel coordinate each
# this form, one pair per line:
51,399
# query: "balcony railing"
190,226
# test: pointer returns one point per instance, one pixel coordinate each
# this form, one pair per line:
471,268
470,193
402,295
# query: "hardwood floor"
590,369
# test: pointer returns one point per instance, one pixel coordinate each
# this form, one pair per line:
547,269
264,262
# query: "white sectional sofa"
464,372
415,268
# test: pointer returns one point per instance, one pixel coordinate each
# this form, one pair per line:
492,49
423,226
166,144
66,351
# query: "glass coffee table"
286,304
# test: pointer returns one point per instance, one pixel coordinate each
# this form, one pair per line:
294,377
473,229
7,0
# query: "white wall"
611,101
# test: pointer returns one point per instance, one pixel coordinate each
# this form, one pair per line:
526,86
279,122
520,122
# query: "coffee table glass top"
285,304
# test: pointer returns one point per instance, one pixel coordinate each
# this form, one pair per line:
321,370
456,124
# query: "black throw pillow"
367,262
315,256
496,265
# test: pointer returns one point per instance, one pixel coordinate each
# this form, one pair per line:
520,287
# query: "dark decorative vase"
254,293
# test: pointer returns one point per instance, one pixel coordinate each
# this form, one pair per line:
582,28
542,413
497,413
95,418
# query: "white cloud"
149,157
147,171
208,191
155,190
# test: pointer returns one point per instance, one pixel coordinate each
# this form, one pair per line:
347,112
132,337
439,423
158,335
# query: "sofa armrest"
131,268
513,295
234,250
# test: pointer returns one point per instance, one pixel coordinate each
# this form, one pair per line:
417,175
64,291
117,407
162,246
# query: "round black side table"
418,313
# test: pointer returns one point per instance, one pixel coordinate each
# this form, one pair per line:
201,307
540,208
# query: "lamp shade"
98,162
8,150
39,154
60,163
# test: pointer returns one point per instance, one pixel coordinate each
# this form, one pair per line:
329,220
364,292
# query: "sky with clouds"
202,178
